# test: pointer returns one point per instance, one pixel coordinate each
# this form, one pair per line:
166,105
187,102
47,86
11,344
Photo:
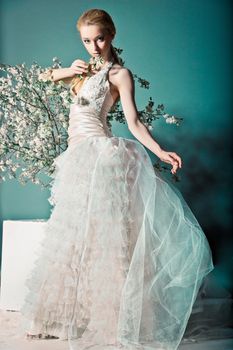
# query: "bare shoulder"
119,75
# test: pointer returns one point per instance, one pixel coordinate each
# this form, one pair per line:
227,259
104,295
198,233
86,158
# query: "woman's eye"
101,38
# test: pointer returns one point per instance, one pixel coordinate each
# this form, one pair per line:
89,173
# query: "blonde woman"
123,256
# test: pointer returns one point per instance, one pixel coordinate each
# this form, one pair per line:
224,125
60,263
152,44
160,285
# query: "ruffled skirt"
123,256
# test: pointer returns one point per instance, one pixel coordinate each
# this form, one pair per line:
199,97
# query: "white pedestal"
21,239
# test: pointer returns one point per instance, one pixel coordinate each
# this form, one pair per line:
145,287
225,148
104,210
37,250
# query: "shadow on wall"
206,186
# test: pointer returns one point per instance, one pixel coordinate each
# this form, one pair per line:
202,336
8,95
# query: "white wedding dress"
123,256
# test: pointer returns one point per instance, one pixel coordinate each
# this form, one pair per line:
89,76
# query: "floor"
9,340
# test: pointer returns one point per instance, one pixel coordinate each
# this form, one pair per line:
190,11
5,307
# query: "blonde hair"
104,21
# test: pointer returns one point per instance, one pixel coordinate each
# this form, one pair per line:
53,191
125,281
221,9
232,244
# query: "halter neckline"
94,75
102,69
109,64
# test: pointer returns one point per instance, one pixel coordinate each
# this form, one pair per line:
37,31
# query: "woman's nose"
95,46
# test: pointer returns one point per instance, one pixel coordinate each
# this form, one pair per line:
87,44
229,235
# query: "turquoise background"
184,48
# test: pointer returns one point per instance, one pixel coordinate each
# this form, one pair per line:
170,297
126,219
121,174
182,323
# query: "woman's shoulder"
118,68
119,72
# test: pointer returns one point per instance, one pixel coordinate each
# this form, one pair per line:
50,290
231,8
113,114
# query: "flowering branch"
34,119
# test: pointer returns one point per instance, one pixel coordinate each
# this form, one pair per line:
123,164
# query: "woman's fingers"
80,66
175,167
177,158
81,63
171,158
174,160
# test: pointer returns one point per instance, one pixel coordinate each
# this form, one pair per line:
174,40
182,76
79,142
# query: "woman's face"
95,40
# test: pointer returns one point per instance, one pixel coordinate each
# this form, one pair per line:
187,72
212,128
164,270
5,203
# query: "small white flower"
171,120
64,94
12,70
11,100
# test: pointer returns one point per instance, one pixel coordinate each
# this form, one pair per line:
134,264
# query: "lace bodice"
90,107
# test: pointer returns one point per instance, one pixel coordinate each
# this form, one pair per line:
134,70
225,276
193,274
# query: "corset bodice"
89,108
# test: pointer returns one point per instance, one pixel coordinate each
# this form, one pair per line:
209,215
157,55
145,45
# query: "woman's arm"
125,83
57,74
65,74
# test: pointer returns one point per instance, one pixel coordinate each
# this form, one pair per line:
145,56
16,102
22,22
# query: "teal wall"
184,48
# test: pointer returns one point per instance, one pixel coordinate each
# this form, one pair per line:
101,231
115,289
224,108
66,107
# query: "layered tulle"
123,256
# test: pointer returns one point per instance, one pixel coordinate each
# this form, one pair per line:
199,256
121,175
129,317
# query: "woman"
123,256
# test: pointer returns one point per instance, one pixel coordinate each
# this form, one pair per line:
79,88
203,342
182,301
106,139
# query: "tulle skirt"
123,256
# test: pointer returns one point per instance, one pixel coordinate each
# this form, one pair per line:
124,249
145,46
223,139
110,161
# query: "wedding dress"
123,256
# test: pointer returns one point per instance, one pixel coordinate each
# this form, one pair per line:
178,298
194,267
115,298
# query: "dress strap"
108,66
106,69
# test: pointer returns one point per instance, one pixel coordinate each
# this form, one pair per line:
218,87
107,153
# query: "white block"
21,240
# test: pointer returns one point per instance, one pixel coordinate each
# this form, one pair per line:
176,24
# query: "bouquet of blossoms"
34,120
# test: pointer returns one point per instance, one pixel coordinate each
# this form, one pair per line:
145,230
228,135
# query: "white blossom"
35,117
171,120
12,70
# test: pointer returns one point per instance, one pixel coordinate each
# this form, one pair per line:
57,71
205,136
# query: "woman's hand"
171,158
78,67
